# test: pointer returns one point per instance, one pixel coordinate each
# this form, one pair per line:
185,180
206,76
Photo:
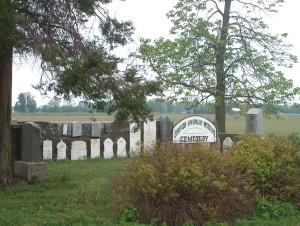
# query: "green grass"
76,193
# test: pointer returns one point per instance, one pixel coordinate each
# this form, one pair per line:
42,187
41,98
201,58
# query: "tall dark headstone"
30,166
254,121
31,141
95,129
165,128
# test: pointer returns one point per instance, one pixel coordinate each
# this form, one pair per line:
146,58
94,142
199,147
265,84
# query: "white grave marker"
134,139
65,129
149,134
108,149
47,150
95,148
121,147
78,150
227,143
61,150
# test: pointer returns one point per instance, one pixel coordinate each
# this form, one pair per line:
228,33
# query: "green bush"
267,210
271,166
294,138
178,183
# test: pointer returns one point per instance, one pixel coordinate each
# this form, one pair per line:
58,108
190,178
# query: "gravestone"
14,122
108,149
28,170
149,134
165,128
31,141
61,150
76,129
47,150
95,148
65,129
227,143
134,139
31,164
254,121
121,147
108,127
95,129
78,150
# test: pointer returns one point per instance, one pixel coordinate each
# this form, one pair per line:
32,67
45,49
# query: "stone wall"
77,140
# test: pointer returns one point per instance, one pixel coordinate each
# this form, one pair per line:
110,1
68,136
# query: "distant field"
272,125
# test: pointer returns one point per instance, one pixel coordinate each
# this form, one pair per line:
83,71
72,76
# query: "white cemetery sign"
95,148
194,129
149,134
47,149
61,150
134,138
78,150
108,149
121,147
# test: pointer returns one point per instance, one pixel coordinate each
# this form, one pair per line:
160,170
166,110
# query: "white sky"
150,21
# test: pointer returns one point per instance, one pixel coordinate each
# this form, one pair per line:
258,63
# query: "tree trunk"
220,106
220,72
5,118
6,54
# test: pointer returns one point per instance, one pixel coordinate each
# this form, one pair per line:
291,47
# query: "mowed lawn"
75,193
282,126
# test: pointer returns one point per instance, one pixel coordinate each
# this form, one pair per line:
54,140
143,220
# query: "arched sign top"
194,129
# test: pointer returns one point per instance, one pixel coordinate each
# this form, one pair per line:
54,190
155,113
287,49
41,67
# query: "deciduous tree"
222,51
25,103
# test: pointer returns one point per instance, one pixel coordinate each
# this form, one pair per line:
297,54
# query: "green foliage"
34,180
221,54
25,103
271,166
294,138
175,183
129,215
267,210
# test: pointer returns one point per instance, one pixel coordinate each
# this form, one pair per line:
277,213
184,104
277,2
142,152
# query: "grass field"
272,125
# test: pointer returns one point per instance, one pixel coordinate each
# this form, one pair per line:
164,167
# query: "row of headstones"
79,149
96,127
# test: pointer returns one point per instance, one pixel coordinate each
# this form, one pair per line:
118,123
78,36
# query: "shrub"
294,138
175,183
271,165
267,210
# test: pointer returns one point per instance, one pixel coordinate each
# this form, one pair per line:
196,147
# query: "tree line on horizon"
26,103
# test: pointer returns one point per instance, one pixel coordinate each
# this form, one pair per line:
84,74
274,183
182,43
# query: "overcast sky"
150,21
